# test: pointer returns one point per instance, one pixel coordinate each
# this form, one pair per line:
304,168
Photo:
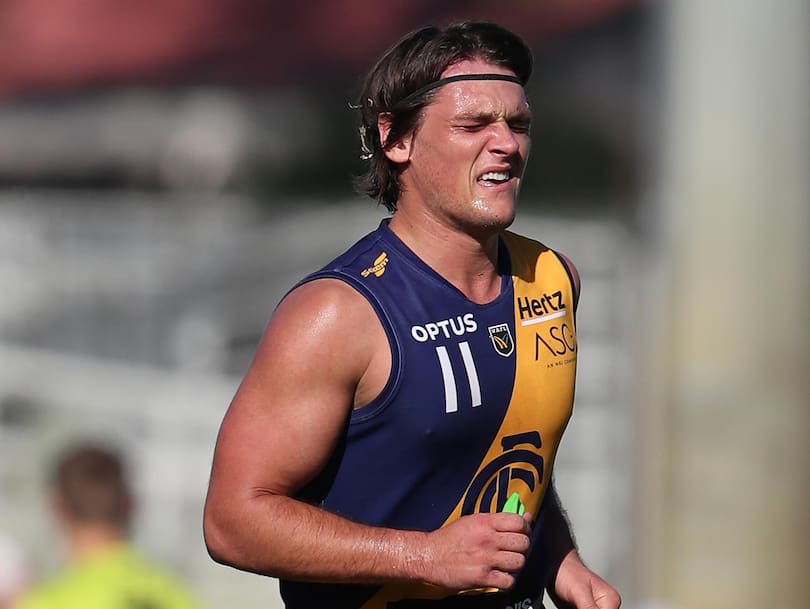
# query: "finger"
514,542
510,523
510,562
609,599
501,580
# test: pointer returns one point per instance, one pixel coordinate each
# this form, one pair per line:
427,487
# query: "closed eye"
472,126
520,126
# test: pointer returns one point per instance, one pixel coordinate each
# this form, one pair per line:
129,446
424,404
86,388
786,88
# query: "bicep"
292,405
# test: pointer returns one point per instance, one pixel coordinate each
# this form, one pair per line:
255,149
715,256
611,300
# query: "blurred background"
168,169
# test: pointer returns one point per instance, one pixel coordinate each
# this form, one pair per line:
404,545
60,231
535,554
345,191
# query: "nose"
504,140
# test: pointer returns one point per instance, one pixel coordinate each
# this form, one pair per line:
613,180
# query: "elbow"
228,541
216,538
216,549
232,537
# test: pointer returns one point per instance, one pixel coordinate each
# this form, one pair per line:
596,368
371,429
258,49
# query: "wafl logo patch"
501,339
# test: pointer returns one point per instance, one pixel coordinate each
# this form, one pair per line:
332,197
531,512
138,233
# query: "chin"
502,204
499,218
503,223
487,224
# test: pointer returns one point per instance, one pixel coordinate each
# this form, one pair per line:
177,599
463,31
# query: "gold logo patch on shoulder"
378,268
501,339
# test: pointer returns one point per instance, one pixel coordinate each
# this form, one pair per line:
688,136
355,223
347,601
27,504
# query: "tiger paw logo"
378,268
519,461
501,339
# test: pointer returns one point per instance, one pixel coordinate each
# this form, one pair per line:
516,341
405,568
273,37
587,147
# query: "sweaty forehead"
469,97
502,76
472,81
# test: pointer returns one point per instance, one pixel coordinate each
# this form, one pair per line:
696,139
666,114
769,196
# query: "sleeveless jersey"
474,408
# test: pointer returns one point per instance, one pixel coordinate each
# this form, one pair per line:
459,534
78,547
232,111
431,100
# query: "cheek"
444,165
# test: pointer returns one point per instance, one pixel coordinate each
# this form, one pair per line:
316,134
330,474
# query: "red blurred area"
49,46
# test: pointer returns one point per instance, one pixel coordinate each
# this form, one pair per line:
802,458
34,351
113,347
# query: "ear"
400,152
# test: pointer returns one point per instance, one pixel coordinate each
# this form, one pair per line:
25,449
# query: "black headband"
449,79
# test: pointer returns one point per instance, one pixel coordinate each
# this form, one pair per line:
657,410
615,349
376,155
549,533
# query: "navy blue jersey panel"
456,424
430,429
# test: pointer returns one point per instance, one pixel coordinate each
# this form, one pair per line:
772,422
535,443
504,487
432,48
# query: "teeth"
498,176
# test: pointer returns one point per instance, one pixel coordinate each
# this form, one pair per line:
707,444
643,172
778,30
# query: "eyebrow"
524,115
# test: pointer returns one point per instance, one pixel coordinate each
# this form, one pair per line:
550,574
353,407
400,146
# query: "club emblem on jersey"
378,268
520,462
501,339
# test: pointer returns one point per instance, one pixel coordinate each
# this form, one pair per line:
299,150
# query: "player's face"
468,154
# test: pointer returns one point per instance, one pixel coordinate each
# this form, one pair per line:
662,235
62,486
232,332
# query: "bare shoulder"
329,303
291,406
319,326
324,320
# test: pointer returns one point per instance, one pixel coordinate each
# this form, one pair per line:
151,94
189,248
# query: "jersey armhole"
575,285
392,384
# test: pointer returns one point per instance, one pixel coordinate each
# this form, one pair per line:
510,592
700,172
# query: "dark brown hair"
91,482
416,60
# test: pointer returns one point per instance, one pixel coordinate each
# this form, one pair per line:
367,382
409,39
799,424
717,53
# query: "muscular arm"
320,356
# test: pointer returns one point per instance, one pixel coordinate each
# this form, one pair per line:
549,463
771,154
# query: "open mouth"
494,178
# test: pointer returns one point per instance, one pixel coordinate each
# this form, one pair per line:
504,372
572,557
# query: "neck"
469,262
87,540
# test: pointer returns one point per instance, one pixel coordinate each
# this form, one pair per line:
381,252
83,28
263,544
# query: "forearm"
282,537
571,585
558,538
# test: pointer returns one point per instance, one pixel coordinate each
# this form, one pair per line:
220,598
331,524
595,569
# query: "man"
92,504
401,395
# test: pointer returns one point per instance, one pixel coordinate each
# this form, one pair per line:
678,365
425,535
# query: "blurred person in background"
93,505
402,395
